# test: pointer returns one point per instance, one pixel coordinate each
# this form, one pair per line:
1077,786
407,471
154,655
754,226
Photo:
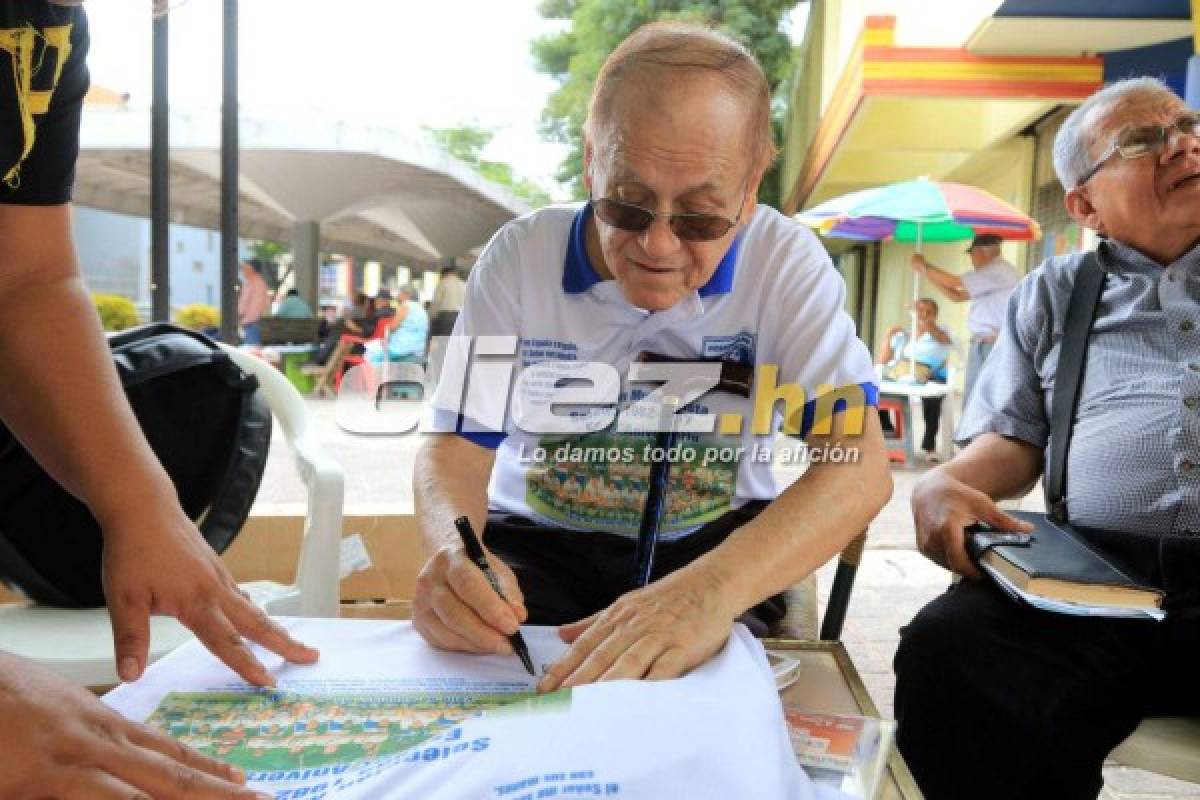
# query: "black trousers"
995,699
931,410
443,323
567,575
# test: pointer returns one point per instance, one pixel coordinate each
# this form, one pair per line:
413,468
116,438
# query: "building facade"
971,92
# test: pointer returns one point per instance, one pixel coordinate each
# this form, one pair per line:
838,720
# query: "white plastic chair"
77,643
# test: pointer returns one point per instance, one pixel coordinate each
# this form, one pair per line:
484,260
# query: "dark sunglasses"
690,227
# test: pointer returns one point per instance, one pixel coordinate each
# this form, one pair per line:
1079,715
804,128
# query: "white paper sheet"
383,715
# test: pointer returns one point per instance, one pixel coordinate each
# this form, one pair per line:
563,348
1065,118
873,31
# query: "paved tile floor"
893,582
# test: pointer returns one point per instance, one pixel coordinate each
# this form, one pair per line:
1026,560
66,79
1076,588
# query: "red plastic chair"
383,327
899,441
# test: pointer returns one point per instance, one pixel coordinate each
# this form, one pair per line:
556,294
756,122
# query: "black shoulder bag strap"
1068,377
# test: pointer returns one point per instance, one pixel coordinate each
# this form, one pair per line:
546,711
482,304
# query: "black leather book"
1057,563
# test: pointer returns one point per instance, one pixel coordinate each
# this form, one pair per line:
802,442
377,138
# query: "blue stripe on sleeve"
870,399
449,422
486,439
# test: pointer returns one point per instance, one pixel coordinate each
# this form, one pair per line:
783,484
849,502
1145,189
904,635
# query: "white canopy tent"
366,192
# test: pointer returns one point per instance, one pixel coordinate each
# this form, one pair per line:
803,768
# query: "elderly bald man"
995,699
671,256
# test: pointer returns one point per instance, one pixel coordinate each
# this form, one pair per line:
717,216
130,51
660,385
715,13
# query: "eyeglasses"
690,227
1143,140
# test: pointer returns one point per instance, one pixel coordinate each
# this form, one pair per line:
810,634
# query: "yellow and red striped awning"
906,111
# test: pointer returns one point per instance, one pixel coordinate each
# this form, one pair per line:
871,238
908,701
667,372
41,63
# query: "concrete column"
306,249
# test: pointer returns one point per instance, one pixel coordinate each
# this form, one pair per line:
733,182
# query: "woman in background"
929,356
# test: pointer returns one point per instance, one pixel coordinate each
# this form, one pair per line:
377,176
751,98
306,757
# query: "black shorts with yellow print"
43,79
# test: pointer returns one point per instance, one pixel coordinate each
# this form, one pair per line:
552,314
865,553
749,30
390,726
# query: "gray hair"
1071,158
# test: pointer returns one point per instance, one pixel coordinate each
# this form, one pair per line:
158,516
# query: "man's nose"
1180,143
659,239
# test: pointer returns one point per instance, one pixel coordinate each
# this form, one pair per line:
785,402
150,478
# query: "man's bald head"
656,57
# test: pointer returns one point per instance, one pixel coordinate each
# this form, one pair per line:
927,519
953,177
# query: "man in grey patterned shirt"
995,699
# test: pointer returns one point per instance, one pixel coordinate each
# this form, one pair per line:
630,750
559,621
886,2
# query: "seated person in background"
995,699
328,318
671,256
381,307
353,319
932,351
361,324
294,307
409,331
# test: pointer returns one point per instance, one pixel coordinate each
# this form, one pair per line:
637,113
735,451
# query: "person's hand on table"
455,608
60,741
156,562
943,507
658,632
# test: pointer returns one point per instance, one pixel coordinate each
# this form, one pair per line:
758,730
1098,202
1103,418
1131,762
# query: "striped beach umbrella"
919,211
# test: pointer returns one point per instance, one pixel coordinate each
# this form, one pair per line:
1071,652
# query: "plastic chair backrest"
316,573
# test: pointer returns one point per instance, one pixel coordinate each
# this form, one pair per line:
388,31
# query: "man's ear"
588,154
1079,206
751,200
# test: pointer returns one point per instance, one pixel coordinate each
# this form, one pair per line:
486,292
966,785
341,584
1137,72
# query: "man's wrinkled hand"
943,507
455,608
659,632
158,563
62,742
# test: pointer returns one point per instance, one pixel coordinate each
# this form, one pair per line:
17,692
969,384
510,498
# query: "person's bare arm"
62,400
454,607
886,353
964,491
947,283
939,334
62,742
683,619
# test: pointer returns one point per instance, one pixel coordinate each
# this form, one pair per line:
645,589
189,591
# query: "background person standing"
254,300
448,300
987,287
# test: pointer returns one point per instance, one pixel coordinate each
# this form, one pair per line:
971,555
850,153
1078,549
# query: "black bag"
206,422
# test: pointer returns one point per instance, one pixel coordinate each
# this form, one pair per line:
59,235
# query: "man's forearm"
450,479
996,465
70,411
809,523
947,283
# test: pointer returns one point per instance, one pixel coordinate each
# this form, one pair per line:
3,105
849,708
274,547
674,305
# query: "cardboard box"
269,545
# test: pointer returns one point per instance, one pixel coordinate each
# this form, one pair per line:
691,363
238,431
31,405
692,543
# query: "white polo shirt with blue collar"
774,299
